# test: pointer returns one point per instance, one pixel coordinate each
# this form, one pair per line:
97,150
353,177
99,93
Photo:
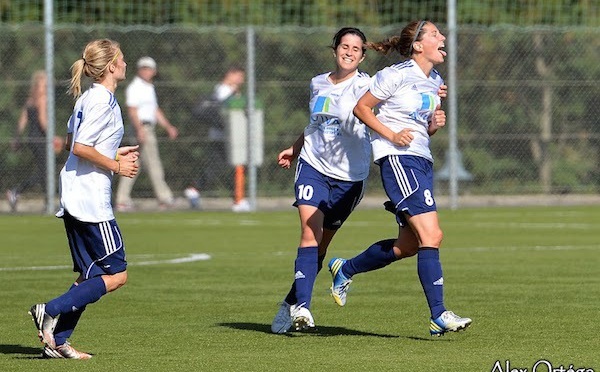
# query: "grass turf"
529,278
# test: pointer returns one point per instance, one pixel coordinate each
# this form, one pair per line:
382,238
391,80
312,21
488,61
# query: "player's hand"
172,132
128,152
127,166
286,158
403,138
438,119
443,91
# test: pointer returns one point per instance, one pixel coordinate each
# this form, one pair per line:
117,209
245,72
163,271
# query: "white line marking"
191,258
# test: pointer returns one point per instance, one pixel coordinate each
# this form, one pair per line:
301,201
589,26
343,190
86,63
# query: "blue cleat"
448,322
340,284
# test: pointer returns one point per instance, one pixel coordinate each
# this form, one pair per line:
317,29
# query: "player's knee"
435,238
432,238
310,237
122,279
115,281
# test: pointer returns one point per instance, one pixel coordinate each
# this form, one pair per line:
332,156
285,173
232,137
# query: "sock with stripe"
305,273
87,292
375,257
291,299
429,269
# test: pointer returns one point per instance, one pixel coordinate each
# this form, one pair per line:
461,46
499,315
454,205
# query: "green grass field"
529,278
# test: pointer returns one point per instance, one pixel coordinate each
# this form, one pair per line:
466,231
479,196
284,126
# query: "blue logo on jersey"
322,104
330,126
428,104
427,101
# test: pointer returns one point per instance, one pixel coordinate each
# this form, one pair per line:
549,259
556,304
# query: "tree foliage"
306,13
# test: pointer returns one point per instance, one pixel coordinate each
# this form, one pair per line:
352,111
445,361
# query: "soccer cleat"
340,284
44,323
301,318
64,351
448,322
13,197
283,320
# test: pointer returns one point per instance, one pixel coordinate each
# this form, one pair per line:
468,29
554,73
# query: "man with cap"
144,113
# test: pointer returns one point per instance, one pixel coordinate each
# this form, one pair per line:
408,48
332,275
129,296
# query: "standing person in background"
335,156
209,113
231,87
32,126
94,132
406,94
145,113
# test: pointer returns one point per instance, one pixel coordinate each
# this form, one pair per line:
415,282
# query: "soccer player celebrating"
409,114
94,133
334,162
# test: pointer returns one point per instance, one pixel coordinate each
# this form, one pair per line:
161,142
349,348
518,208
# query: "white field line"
539,248
248,222
191,258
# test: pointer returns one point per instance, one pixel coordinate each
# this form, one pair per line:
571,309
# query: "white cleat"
283,320
64,351
301,318
44,323
448,322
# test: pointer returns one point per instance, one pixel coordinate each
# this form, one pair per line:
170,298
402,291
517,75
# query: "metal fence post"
250,62
452,103
50,155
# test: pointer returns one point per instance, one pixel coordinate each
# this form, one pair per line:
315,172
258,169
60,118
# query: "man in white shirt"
145,114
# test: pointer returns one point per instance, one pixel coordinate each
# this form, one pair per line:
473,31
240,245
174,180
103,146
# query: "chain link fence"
527,104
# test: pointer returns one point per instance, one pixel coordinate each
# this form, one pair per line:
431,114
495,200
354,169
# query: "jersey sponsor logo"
322,104
330,128
427,101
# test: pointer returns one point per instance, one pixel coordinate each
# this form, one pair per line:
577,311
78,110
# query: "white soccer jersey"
336,143
409,99
85,189
142,95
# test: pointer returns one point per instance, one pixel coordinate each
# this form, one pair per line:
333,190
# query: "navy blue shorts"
335,198
96,248
408,182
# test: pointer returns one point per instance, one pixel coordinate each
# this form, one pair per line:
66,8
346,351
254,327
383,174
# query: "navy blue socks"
66,324
429,269
290,299
76,298
375,257
305,273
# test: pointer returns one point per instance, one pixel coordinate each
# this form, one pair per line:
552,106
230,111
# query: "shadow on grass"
323,331
33,352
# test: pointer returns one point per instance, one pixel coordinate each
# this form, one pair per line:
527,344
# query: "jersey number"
428,197
305,192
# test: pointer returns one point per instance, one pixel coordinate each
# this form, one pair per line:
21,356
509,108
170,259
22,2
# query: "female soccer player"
94,133
409,114
334,162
